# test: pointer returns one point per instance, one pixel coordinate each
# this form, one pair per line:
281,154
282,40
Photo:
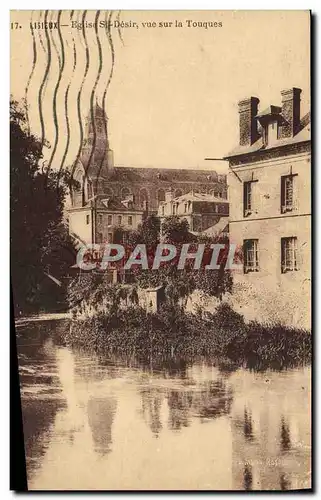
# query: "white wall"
269,295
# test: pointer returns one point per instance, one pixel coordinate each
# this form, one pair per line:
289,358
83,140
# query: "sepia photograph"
160,248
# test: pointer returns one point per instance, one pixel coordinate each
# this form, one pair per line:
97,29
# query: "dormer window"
269,121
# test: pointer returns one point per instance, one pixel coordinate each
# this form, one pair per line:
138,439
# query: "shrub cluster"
175,333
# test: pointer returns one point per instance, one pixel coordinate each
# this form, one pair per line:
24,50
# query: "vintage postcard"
160,167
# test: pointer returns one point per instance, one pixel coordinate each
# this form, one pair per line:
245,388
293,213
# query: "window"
247,198
99,237
185,207
110,220
87,219
110,237
265,134
119,220
100,218
130,220
288,254
161,195
163,210
273,132
174,209
286,193
251,259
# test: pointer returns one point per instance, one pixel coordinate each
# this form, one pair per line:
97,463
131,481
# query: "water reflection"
97,423
247,478
285,437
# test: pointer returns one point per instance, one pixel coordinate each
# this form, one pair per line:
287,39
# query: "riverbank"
173,332
42,317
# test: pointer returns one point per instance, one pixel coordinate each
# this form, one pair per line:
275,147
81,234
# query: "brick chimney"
248,109
290,112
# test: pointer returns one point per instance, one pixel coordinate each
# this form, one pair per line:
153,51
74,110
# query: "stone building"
202,211
96,174
270,211
103,220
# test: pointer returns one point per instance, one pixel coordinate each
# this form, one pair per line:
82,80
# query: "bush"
173,333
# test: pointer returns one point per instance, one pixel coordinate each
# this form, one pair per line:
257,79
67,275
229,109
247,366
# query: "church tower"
96,156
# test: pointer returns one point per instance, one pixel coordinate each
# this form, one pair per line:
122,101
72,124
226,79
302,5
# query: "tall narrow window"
251,258
119,219
130,220
288,254
100,218
247,199
287,193
163,210
110,220
273,131
87,219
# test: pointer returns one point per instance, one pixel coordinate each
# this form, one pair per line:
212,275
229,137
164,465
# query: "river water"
92,423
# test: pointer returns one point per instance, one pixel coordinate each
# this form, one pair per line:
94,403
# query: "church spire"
96,145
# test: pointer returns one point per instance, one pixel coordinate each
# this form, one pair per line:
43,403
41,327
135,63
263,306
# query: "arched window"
125,192
109,192
160,195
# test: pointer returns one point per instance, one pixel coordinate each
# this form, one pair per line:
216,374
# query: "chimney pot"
248,109
290,112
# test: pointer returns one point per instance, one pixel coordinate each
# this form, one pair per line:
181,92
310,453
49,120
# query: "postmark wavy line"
79,100
119,29
112,51
42,86
61,59
34,62
93,94
66,108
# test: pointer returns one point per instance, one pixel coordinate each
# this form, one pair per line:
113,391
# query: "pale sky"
173,97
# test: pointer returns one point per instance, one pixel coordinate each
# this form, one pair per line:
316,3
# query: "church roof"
154,175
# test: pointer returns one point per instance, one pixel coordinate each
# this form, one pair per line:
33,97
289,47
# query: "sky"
172,100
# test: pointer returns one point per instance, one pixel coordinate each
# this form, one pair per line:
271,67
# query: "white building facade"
270,212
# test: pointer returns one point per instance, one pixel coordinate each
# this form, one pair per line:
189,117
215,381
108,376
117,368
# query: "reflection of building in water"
205,399
101,413
271,432
152,400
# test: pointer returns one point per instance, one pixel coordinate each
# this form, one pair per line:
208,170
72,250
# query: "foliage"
40,244
147,232
172,333
176,230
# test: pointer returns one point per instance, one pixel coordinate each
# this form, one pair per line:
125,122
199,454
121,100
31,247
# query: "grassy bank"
173,333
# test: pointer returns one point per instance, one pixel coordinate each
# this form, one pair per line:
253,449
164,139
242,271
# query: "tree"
41,249
147,232
176,230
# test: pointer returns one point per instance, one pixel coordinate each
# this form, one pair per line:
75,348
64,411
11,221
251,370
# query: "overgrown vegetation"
173,333
41,249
